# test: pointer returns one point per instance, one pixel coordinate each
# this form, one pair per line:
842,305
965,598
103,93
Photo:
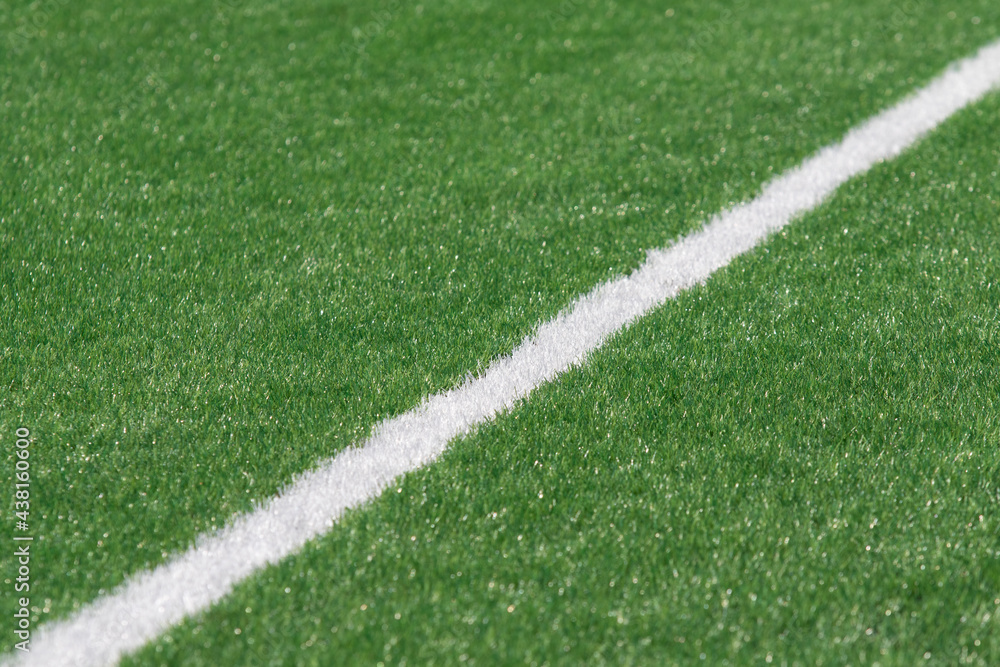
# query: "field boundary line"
151,602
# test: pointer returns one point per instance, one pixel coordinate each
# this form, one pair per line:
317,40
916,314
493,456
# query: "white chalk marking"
149,603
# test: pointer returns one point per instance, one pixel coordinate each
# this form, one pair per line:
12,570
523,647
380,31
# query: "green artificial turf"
794,464
233,237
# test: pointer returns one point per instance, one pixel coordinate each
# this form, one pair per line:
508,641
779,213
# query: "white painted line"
149,603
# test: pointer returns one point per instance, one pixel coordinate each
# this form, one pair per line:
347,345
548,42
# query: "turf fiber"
235,237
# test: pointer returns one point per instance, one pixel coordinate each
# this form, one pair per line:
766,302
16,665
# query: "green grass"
797,462
217,272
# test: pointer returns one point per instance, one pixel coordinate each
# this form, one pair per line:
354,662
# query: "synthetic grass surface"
796,463
223,260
